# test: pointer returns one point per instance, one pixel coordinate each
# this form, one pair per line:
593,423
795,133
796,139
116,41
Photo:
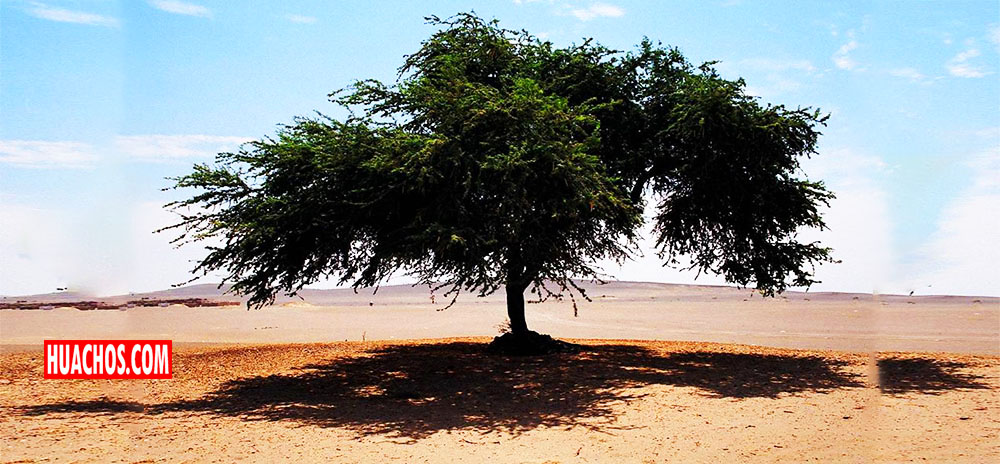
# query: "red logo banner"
108,359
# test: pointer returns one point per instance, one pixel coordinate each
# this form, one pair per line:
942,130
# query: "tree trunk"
515,309
520,341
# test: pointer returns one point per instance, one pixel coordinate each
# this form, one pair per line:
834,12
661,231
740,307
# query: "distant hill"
408,294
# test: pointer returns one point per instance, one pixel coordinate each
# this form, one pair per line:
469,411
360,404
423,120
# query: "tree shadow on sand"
412,391
899,376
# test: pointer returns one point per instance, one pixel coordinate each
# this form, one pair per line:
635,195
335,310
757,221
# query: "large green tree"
499,160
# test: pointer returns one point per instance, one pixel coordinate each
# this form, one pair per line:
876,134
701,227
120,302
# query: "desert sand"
807,377
445,401
619,310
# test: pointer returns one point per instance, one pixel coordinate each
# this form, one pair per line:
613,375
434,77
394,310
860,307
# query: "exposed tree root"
529,344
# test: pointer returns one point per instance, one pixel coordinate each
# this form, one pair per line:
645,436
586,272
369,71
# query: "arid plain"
667,373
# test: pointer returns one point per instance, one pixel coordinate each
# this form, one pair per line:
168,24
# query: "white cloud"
301,19
846,166
959,66
769,64
98,254
859,220
962,255
166,147
153,262
994,36
597,10
46,154
989,132
43,11
182,8
860,233
987,169
775,85
842,58
31,248
907,73
782,76
959,258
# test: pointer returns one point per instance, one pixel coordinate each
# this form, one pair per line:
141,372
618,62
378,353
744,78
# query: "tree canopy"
500,160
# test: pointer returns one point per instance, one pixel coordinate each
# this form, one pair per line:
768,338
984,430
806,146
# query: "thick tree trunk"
521,341
515,309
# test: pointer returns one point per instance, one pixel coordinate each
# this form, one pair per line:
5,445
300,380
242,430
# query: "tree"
499,160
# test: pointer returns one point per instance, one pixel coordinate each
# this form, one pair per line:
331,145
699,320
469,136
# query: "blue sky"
101,100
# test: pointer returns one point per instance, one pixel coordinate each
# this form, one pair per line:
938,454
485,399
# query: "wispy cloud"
597,10
46,154
989,132
908,73
775,65
170,147
776,85
959,66
301,19
781,76
43,11
994,36
842,58
847,166
182,8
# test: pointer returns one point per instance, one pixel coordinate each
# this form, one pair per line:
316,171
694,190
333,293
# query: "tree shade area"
498,160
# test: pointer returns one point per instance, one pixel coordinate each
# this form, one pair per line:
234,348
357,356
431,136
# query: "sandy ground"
445,401
824,377
619,310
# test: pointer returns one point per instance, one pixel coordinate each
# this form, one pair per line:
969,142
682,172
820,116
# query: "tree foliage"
497,159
